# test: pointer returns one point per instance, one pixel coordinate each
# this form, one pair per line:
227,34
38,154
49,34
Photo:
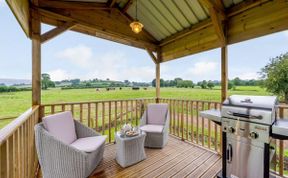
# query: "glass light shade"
136,26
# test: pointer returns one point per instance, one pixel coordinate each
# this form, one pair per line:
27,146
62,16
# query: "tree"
237,81
210,84
231,85
46,81
75,82
275,75
204,84
154,82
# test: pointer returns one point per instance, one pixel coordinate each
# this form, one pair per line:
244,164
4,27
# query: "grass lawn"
15,103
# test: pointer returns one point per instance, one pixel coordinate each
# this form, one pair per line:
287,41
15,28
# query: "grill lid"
260,102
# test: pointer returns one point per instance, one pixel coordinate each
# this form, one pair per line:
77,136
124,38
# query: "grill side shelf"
213,115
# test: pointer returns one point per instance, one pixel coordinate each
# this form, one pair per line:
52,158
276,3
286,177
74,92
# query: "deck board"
177,159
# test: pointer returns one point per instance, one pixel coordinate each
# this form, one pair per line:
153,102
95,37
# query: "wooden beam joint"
218,16
56,31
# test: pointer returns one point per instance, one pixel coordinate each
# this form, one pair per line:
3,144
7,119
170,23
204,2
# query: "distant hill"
9,82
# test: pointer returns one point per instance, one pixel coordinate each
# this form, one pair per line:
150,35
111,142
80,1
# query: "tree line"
206,84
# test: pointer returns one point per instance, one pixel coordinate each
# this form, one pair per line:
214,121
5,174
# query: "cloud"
203,68
80,55
248,76
112,64
2,2
60,74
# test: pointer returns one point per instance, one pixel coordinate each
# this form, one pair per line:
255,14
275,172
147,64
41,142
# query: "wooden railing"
17,146
17,139
281,167
105,117
186,123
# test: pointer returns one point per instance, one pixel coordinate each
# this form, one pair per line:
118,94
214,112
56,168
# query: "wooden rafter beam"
153,57
258,20
72,5
111,3
183,33
127,5
218,26
217,14
57,31
217,6
243,6
121,34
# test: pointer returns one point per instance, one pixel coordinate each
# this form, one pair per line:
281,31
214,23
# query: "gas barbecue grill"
249,127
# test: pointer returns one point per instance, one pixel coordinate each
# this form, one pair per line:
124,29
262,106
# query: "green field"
15,103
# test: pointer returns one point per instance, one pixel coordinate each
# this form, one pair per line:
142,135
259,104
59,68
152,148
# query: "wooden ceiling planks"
257,20
247,20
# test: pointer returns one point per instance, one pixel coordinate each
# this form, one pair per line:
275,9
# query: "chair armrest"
83,131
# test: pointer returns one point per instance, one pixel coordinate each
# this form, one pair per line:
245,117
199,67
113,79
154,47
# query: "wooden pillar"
36,58
224,73
157,82
158,76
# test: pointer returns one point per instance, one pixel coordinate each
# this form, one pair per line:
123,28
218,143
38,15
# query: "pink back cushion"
156,113
61,126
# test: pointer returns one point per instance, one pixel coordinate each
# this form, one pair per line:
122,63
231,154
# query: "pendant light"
136,26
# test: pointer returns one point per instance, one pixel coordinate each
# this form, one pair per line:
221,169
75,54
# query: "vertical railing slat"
281,148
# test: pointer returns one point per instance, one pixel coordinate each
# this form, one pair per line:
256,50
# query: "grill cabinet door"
243,159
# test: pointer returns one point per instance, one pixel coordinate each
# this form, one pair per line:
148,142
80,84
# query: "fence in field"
17,146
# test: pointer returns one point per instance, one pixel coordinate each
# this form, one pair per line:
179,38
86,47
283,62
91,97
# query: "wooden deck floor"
177,159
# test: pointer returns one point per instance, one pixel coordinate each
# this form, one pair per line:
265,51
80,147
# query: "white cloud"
80,55
203,68
112,65
59,74
145,73
2,2
248,76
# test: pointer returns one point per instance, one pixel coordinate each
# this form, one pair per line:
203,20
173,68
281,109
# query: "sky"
74,55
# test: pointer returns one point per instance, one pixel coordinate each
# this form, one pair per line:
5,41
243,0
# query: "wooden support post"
224,73
36,58
158,76
157,82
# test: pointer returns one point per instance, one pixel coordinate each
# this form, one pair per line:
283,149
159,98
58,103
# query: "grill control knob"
253,135
231,130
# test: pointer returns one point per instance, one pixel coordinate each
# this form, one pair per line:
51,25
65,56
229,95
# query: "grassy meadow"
14,103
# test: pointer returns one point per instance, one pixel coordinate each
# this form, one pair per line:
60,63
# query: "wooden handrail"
9,129
17,146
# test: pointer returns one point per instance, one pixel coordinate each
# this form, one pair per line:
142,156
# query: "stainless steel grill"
248,128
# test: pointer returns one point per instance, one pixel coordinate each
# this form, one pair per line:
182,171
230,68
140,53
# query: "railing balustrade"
17,146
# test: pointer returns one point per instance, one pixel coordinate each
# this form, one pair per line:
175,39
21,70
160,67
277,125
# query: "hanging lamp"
136,26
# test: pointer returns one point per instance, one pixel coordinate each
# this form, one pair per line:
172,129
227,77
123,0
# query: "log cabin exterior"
172,29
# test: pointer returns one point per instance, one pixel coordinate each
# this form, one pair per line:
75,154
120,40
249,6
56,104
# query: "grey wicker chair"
59,159
155,123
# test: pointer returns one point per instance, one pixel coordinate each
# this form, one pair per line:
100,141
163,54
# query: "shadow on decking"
177,159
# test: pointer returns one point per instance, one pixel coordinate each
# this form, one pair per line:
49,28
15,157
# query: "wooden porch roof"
174,28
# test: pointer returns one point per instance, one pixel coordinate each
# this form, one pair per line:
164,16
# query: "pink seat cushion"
61,126
152,128
156,113
89,144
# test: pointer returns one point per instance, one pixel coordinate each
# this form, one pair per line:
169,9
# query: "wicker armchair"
62,155
155,123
